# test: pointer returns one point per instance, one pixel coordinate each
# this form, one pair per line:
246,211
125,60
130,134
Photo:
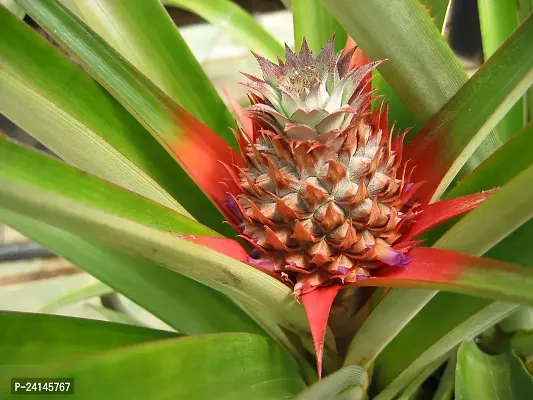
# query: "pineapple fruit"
324,197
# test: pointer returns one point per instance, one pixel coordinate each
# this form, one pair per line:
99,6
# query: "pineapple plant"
314,248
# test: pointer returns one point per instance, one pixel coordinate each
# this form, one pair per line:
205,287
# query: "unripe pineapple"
323,197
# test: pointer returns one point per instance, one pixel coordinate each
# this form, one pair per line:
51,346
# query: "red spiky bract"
317,306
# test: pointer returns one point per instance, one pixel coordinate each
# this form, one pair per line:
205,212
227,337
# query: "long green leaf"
75,296
495,215
497,170
393,379
97,134
491,377
524,9
498,20
143,32
450,138
398,111
224,366
314,22
493,172
22,164
271,300
35,339
474,234
460,318
180,133
237,22
140,96
162,292
470,236
421,67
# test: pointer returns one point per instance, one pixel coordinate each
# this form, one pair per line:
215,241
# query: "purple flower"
231,205
343,269
392,257
265,264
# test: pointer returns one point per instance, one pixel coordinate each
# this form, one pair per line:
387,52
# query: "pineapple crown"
305,97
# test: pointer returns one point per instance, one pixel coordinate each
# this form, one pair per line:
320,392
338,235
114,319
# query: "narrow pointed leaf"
398,111
460,318
23,165
491,377
497,170
347,383
421,68
97,134
85,293
524,9
493,172
394,377
177,368
498,20
314,22
437,213
442,148
162,292
495,219
237,22
317,304
63,338
181,134
143,33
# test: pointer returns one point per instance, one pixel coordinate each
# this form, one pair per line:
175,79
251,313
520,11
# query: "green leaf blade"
177,368
142,31
421,67
160,291
63,338
314,22
238,23
98,135
23,165
491,377
451,137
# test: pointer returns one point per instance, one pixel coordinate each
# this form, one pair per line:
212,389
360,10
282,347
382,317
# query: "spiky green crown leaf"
307,96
